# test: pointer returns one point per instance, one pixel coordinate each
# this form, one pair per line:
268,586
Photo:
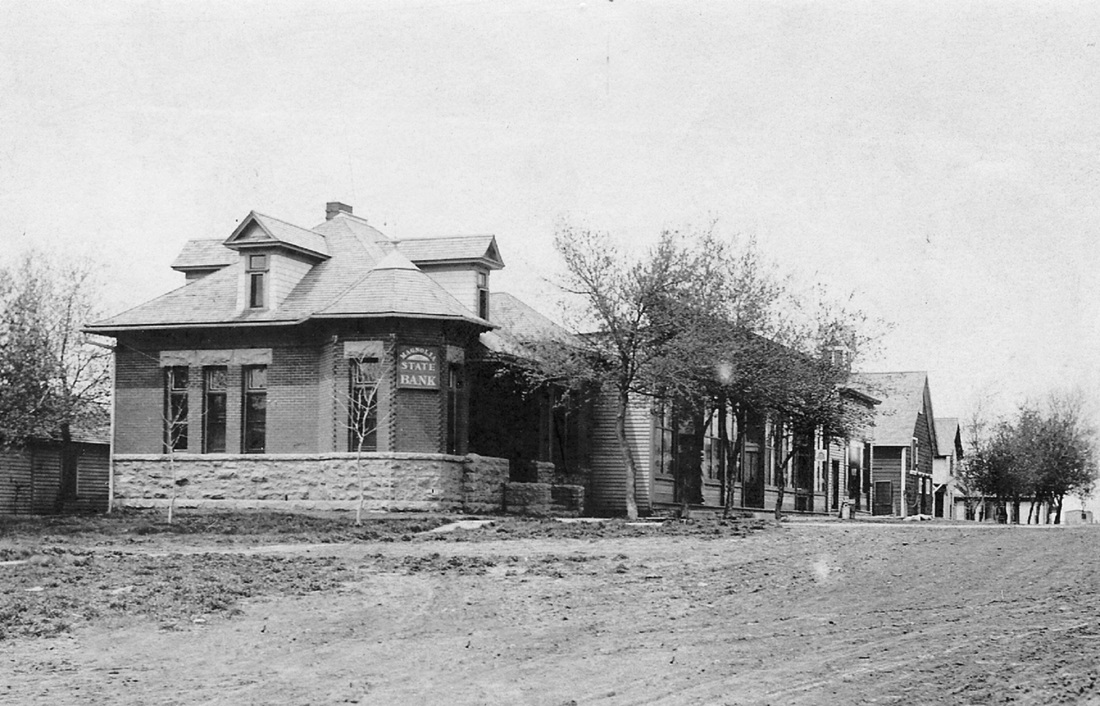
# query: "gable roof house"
291,350
949,454
904,442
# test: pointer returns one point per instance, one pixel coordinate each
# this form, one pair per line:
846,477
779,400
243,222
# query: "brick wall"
139,398
307,410
293,380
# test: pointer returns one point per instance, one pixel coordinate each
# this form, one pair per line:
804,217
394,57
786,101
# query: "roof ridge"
441,237
288,223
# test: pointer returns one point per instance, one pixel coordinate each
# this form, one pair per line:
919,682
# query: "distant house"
849,460
289,350
905,442
949,454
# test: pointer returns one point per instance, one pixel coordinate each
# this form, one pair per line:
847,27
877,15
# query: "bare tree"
630,303
700,324
359,405
176,424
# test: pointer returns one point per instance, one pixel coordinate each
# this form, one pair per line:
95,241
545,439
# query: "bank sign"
418,367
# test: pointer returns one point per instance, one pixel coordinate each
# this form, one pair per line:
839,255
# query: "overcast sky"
939,160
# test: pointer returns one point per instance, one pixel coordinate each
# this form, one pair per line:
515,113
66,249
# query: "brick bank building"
292,352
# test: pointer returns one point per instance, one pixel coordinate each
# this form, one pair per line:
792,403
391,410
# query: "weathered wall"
314,481
30,479
886,466
542,499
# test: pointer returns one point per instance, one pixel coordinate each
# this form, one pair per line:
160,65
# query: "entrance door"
753,488
835,483
68,472
884,498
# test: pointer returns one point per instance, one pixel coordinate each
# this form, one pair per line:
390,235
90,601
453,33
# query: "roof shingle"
347,283
902,396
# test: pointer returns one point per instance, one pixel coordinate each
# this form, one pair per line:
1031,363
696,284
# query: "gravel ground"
537,612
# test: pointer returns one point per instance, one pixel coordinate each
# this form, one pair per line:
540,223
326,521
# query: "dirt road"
803,614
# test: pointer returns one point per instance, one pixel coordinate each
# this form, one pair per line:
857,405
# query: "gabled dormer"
460,264
273,257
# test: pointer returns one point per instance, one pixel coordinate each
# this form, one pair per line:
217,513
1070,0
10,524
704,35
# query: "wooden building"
44,477
905,443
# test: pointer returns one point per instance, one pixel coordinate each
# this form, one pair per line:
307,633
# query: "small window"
255,409
257,276
256,290
664,440
913,455
483,295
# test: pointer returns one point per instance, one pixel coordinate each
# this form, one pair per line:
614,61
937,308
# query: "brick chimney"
334,207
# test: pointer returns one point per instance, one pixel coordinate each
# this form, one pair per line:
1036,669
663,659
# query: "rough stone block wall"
527,498
434,482
483,483
567,499
546,472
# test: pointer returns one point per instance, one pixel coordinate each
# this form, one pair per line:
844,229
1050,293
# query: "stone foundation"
389,481
542,499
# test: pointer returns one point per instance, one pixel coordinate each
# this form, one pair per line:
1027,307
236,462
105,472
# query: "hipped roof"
520,326
344,281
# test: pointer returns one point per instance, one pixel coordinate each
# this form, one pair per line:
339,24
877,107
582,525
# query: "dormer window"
483,295
257,274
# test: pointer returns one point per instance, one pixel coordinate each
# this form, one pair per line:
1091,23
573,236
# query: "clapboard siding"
30,479
608,488
838,451
887,467
46,479
15,482
92,478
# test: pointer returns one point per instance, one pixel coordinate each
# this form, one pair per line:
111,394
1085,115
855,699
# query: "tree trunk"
175,487
359,477
67,481
781,482
723,446
732,467
1058,509
627,454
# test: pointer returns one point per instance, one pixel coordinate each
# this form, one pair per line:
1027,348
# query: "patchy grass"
236,527
63,588
62,572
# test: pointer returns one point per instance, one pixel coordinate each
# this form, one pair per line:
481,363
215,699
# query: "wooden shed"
41,478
